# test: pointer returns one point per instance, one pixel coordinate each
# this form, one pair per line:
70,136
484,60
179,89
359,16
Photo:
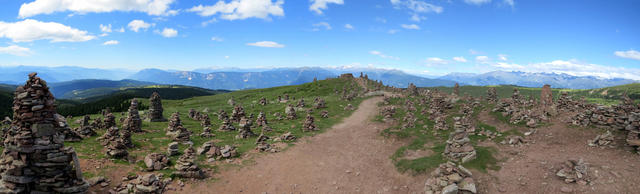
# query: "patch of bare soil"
532,168
351,157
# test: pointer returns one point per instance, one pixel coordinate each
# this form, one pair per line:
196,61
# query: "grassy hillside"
156,141
74,89
119,100
608,96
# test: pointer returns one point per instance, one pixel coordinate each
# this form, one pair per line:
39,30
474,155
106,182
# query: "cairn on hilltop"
34,158
133,122
155,109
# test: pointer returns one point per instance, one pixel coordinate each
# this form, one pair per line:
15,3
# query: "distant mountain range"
527,79
237,79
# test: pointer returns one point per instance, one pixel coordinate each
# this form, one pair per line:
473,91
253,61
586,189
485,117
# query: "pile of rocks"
263,101
290,112
34,159
459,148
133,122
85,129
176,131
193,113
68,134
463,123
288,136
573,171
566,103
205,120
224,152
412,90
206,132
324,114
301,103
155,108
450,179
226,123
115,144
349,107
388,112
173,149
245,129
489,134
456,89
109,121
156,161
440,123
237,114
148,183
320,103
605,139
263,146
409,121
309,124
186,166
514,140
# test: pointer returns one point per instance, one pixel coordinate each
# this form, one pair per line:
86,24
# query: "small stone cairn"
133,122
205,120
85,129
176,131
605,139
237,114
450,179
262,101
245,129
186,166
573,171
309,124
156,161
459,148
320,103
290,111
109,121
324,114
155,108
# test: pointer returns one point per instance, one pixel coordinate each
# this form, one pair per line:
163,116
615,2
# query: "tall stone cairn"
459,148
109,121
412,90
456,89
155,108
237,114
133,122
546,97
186,166
34,159
492,95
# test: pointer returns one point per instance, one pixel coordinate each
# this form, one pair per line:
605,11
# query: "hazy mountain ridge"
529,79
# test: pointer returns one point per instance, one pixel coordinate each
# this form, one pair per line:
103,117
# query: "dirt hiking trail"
351,157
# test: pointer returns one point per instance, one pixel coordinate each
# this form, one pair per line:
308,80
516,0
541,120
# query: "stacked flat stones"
245,129
459,147
290,112
176,131
309,124
186,166
226,122
109,121
237,114
133,122
155,108
492,95
65,130
34,159
85,129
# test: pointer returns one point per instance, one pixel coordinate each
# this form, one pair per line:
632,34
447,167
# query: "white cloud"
502,57
16,50
416,7
29,30
105,28
460,59
226,57
630,54
392,31
241,9
477,2
217,39
318,5
111,42
136,25
380,54
348,26
268,44
482,59
410,26
574,68
436,61
168,32
120,30
324,25
151,7
510,3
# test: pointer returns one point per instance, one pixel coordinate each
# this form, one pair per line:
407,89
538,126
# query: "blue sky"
436,37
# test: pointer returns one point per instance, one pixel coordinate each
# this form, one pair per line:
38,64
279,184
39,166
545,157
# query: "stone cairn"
224,152
320,103
226,122
492,95
546,96
34,159
186,166
573,171
290,111
109,121
155,108
388,112
148,183
262,101
605,139
192,114
412,90
263,146
133,122
288,136
349,107
222,115
205,121
261,121
85,129
65,130
459,148
156,161
245,129
456,90
409,121
324,114
301,103
309,124
176,131
116,145
172,149
237,114
450,179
